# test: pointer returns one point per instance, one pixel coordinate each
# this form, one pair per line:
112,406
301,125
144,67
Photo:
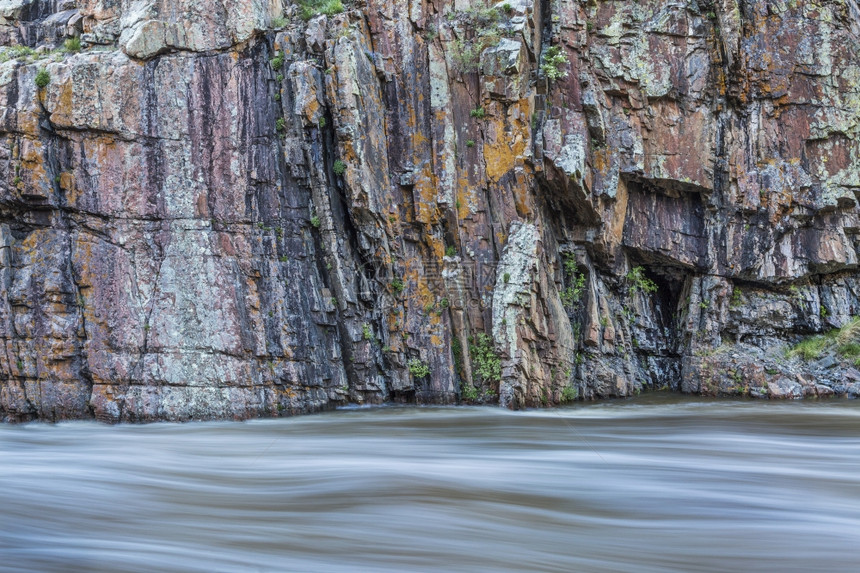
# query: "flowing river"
659,483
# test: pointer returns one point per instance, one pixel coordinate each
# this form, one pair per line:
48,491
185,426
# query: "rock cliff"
240,208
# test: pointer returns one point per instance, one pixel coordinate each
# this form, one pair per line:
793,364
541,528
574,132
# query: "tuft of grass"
849,333
72,45
478,113
811,348
15,52
845,341
311,8
339,167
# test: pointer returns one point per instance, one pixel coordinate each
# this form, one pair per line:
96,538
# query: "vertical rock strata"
218,209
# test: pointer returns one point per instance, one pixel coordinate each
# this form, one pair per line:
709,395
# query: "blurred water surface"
653,484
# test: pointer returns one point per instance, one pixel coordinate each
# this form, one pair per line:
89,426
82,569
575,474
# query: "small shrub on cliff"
43,78
485,360
737,298
72,45
469,392
315,221
451,251
280,124
397,286
277,61
575,280
278,23
639,282
418,368
553,59
483,23
367,333
478,113
569,394
339,167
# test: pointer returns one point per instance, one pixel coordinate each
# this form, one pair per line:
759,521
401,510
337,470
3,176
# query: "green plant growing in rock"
469,392
470,143
315,221
569,394
277,61
15,52
638,282
43,78
553,60
280,125
310,8
843,341
571,296
485,361
478,113
506,278
72,45
418,368
482,28
367,333
279,22
339,167
737,298
397,285
451,251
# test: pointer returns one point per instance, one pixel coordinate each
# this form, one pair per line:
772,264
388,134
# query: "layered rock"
220,210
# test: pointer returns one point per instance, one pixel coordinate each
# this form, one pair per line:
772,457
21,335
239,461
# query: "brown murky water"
654,484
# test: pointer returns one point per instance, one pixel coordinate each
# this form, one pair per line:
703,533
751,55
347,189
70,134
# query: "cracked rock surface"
218,209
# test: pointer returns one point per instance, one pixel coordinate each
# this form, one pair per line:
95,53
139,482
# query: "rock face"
217,209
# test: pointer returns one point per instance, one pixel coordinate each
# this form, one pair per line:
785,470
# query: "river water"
653,484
